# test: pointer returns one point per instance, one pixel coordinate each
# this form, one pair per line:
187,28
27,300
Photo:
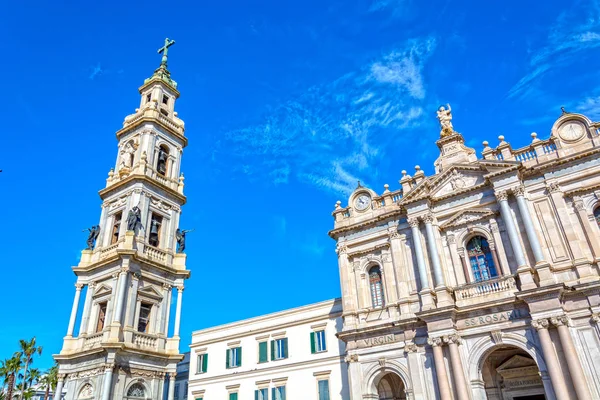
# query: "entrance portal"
391,387
510,373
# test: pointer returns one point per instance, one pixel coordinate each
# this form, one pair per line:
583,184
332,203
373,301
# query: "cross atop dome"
162,72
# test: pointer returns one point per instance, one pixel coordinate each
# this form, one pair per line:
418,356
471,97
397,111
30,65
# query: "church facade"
134,263
480,281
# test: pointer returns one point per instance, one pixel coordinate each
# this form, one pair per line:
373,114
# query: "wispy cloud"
567,39
96,70
590,107
331,135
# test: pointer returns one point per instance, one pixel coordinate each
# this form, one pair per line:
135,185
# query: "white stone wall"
299,372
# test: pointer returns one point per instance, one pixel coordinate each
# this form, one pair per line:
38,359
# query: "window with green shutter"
317,342
323,390
262,352
233,357
278,393
201,368
279,349
261,394
233,396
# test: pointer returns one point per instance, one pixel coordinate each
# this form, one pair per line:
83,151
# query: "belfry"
134,264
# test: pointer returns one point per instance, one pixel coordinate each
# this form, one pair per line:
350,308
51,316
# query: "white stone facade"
481,281
299,372
123,347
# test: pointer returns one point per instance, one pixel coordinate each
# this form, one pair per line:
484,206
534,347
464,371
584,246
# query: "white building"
292,354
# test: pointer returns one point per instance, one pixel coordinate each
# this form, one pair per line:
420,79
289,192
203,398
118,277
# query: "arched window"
136,390
482,261
376,286
597,215
162,159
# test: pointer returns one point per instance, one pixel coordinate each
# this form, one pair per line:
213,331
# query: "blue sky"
287,105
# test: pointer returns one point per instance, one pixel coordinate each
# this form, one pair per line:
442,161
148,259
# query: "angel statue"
93,236
180,236
445,117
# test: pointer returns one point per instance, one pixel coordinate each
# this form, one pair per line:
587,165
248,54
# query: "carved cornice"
371,250
467,216
582,190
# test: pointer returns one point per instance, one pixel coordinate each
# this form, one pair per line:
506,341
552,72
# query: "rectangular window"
262,352
148,97
317,342
323,390
177,391
202,363
114,237
279,349
165,99
234,357
101,316
261,394
233,396
144,319
278,393
155,227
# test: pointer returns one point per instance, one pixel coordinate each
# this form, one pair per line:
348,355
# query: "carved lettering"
379,340
497,317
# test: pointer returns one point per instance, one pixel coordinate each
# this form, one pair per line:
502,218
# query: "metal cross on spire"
165,50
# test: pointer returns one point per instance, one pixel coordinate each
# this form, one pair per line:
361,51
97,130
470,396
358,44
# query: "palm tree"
49,381
28,350
32,378
12,366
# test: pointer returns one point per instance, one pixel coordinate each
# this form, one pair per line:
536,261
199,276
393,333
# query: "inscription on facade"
376,341
493,318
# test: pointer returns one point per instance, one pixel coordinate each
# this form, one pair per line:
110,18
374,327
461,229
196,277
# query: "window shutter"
324,390
282,391
273,394
273,353
262,352
285,348
239,360
228,354
256,395
233,396
312,343
205,362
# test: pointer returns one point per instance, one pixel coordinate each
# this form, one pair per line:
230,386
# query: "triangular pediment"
467,216
102,290
150,291
516,361
498,167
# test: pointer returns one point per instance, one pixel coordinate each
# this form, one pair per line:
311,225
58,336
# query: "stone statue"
127,156
445,117
92,237
134,219
180,236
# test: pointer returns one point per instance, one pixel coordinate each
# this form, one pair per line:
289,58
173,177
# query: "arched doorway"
510,373
391,387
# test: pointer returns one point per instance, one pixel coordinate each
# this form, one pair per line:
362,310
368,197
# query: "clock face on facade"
362,202
571,131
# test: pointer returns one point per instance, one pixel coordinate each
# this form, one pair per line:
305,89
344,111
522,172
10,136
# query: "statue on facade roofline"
92,237
134,219
445,117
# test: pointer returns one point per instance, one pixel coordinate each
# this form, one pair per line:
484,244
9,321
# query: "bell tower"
134,265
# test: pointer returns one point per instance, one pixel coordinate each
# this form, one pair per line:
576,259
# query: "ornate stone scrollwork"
341,249
410,347
497,336
393,233
413,222
435,341
79,286
541,323
351,358
451,239
382,362
596,318
180,288
519,191
560,320
553,187
501,195
428,218
578,203
453,339
109,367
166,286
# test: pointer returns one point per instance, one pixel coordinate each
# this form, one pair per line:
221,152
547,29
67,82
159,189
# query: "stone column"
166,307
413,359
434,255
87,309
403,280
523,268
538,254
465,265
459,266
172,376
78,287
556,377
390,279
131,309
110,307
122,285
178,311
107,382
577,374
499,245
440,368
347,292
457,368
414,225
59,387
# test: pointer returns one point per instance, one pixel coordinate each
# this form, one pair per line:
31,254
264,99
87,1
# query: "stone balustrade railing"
538,151
93,340
109,250
483,288
154,253
145,340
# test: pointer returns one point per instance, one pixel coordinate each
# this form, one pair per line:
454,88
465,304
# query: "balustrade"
484,288
145,340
